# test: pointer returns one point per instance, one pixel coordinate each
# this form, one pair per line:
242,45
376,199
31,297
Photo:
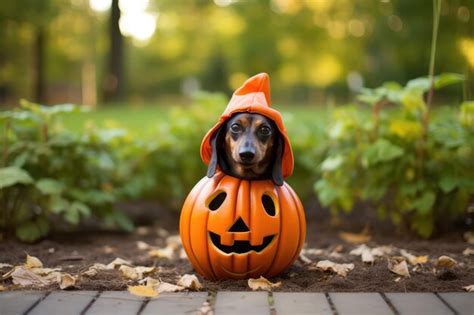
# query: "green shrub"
414,168
51,173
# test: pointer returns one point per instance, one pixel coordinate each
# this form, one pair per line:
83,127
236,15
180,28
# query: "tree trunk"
113,81
39,65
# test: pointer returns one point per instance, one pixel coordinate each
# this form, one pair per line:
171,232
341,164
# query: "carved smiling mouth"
239,247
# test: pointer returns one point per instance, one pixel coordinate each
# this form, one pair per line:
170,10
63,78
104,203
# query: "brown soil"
74,252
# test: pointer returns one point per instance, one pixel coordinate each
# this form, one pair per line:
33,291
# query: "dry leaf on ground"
398,265
2,265
174,240
143,291
108,249
44,271
2,288
368,254
161,232
313,251
117,262
67,281
469,237
143,230
327,265
446,262
263,284
33,262
182,254
25,277
135,273
356,238
160,286
167,252
304,259
365,252
412,259
468,251
168,287
469,288
94,270
190,282
143,246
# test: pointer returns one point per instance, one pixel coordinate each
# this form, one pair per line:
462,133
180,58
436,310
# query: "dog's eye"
265,131
236,128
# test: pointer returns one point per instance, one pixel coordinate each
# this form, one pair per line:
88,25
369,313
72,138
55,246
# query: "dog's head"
248,146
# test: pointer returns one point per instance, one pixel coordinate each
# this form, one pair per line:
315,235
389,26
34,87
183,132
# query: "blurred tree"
35,15
113,82
314,50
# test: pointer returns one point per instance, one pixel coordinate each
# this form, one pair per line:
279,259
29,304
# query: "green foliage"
52,173
419,176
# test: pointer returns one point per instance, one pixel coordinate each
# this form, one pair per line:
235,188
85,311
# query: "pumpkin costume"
237,228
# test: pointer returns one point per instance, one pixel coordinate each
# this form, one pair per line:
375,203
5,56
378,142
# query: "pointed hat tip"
258,83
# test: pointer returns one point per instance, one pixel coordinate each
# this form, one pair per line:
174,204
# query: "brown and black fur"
248,146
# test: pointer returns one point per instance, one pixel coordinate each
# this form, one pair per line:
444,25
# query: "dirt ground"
75,252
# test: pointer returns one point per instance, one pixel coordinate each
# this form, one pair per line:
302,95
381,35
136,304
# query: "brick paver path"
225,303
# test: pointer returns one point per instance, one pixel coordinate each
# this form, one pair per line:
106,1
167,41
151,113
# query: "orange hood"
253,97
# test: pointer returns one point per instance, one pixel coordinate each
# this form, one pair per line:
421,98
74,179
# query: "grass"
143,120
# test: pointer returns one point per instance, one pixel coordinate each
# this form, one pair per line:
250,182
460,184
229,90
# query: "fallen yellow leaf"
33,262
327,265
2,288
94,270
143,291
166,252
67,281
356,238
167,287
398,265
263,284
117,262
412,259
446,262
469,237
190,282
468,251
128,272
469,288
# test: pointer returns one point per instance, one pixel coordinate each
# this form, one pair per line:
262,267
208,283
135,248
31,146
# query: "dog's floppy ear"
215,143
277,176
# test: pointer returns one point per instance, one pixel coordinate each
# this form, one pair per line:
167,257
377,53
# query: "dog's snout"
247,155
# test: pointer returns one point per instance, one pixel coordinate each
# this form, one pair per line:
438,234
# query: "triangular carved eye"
268,205
217,201
239,226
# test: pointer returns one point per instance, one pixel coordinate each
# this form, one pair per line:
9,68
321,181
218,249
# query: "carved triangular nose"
239,226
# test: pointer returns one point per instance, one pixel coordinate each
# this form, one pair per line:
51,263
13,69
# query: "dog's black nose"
246,156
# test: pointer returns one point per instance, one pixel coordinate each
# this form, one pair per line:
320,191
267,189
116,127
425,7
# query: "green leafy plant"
419,175
48,172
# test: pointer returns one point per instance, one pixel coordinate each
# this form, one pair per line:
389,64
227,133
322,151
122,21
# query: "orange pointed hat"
252,97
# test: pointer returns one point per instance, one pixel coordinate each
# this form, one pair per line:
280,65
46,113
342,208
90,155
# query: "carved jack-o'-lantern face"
233,228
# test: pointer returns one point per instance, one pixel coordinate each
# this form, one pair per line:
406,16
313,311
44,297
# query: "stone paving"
225,303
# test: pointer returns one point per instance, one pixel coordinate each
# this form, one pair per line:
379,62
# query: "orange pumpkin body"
234,228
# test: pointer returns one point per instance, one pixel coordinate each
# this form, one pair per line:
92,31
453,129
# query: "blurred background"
161,51
373,137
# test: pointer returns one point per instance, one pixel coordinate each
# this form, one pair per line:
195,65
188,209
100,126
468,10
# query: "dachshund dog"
248,146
